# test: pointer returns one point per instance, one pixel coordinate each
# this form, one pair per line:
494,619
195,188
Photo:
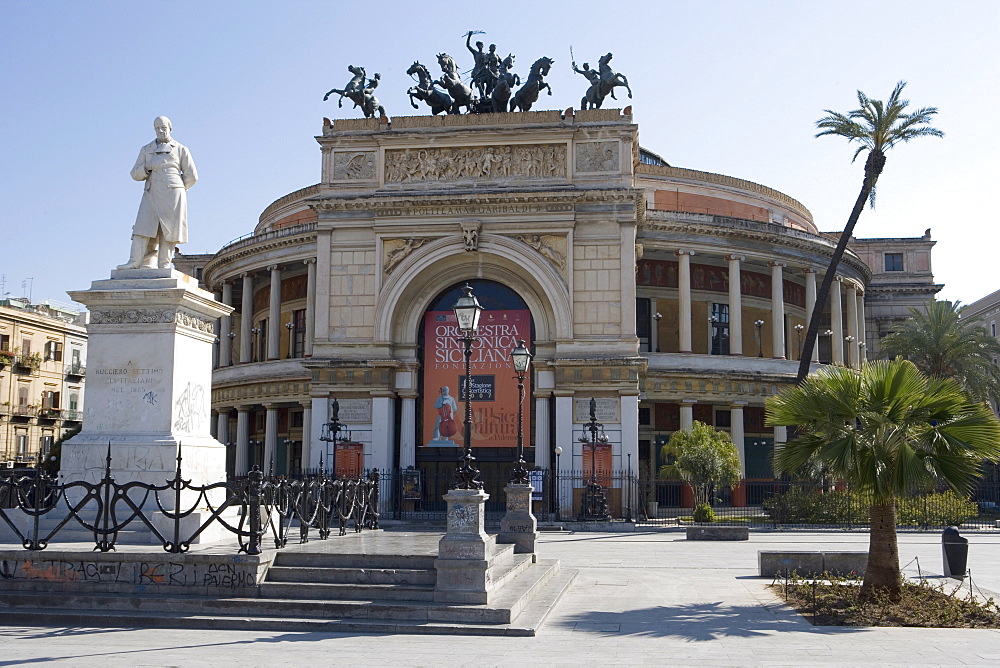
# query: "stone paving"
641,598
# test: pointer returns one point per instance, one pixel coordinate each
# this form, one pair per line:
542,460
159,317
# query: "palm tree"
942,344
877,127
886,430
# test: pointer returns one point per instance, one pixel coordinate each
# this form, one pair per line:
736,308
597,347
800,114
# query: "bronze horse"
604,86
527,94
504,85
461,93
426,90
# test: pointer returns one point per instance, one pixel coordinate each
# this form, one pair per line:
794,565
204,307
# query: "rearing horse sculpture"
527,94
359,93
505,83
438,100
462,94
605,85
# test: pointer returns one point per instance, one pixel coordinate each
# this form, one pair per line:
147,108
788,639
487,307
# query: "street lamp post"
848,340
595,503
467,311
798,337
290,326
331,432
521,357
232,336
656,325
760,343
555,483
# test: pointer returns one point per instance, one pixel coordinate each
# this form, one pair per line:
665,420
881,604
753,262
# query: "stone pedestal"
149,381
519,525
464,552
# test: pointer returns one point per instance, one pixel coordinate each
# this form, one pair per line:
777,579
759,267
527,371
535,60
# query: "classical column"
684,299
862,329
274,314
777,310
687,413
306,435
226,343
810,305
738,434
320,416
852,326
836,322
246,320
408,431
310,305
780,435
270,439
567,461
222,426
383,436
735,305
543,448
242,440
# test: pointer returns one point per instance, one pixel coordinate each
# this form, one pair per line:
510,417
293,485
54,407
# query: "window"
719,329
643,323
25,347
53,351
297,419
22,444
644,415
298,342
22,396
50,399
993,329
74,402
45,444
894,262
4,341
723,418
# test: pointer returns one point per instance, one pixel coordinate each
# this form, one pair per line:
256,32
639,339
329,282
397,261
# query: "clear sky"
732,87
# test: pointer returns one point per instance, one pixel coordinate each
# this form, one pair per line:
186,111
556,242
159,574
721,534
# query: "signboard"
608,410
537,480
602,457
412,488
350,462
355,411
493,387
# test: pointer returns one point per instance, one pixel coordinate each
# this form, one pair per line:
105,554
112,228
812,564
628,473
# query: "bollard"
955,550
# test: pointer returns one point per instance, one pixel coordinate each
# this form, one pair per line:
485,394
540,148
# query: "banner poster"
494,384
603,459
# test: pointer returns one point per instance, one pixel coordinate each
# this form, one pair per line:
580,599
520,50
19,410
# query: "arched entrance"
506,318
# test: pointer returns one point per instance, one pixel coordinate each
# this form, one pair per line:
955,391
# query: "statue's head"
493,48
479,45
162,127
586,66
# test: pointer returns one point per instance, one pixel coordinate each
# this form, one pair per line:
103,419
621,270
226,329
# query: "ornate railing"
253,509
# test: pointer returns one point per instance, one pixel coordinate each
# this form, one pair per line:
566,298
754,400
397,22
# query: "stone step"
57,618
340,592
530,596
343,560
357,576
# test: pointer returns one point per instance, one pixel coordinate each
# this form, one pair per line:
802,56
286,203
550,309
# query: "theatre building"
666,294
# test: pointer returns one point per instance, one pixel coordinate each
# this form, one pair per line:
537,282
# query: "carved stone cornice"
736,231
248,249
478,202
128,316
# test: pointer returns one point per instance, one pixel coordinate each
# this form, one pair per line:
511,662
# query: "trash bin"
956,553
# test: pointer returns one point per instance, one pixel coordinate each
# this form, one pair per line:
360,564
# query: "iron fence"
37,508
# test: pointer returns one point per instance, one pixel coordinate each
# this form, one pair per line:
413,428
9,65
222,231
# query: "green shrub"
703,513
802,506
938,509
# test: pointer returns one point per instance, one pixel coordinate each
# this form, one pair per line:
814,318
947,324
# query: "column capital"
683,252
310,260
738,404
272,406
735,258
689,401
839,279
246,274
810,270
244,408
306,404
851,285
776,263
274,267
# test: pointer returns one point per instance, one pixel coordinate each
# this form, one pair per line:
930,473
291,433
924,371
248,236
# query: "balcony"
76,370
24,411
71,415
49,414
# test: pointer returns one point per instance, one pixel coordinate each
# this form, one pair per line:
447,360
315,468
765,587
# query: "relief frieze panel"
146,316
354,166
597,156
550,246
480,163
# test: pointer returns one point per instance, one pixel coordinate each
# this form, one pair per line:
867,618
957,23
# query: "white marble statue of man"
168,170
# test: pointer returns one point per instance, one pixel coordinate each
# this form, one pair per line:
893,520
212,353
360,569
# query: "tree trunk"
873,167
882,575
